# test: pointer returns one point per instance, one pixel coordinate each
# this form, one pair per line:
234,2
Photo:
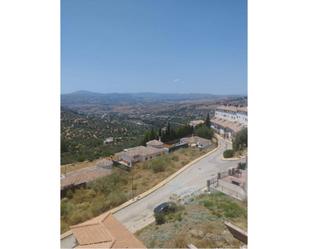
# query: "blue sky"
166,46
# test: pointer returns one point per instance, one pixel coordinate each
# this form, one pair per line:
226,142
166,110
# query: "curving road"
140,214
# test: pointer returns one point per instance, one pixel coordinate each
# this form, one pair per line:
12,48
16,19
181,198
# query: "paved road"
140,213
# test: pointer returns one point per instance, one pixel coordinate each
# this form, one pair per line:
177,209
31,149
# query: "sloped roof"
140,150
83,175
92,234
234,126
196,122
104,162
232,108
195,139
104,231
154,143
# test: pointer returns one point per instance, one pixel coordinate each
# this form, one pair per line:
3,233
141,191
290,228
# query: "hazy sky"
173,46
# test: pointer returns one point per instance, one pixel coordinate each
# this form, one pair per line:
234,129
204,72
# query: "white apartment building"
229,120
232,113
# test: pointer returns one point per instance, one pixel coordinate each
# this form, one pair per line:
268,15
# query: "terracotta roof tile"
104,231
235,126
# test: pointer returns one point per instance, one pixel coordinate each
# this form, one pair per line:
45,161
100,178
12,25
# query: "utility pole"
132,184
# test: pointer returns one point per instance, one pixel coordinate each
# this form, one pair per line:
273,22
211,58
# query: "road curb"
232,159
162,183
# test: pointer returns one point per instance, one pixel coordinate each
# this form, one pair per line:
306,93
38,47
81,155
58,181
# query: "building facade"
194,123
228,120
138,154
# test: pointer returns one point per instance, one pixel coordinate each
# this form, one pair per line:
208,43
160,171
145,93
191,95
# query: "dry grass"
143,177
199,226
66,168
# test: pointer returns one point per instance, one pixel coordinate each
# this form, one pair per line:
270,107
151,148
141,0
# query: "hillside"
87,119
82,136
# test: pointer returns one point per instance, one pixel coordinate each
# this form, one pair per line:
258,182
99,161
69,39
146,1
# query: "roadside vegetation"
199,221
174,213
113,190
241,140
228,153
242,166
240,143
221,206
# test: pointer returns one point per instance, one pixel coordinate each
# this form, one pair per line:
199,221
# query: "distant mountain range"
86,97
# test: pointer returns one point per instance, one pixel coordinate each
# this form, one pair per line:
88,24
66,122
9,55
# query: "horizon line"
146,92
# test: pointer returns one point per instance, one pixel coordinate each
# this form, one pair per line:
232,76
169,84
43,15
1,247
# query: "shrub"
66,208
178,217
180,241
204,131
242,166
69,194
241,140
157,165
160,218
108,184
83,195
99,205
116,198
76,218
81,158
158,168
222,206
228,153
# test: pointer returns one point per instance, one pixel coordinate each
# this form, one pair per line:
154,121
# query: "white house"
232,113
194,123
109,140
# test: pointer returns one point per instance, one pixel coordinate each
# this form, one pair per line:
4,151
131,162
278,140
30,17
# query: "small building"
103,231
196,141
178,146
104,163
109,140
138,154
194,123
81,177
155,144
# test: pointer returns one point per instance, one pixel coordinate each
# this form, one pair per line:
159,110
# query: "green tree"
207,123
228,153
205,132
159,133
64,146
152,134
160,218
241,140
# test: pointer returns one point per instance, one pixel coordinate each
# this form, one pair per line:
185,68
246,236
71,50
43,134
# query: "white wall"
68,242
232,116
